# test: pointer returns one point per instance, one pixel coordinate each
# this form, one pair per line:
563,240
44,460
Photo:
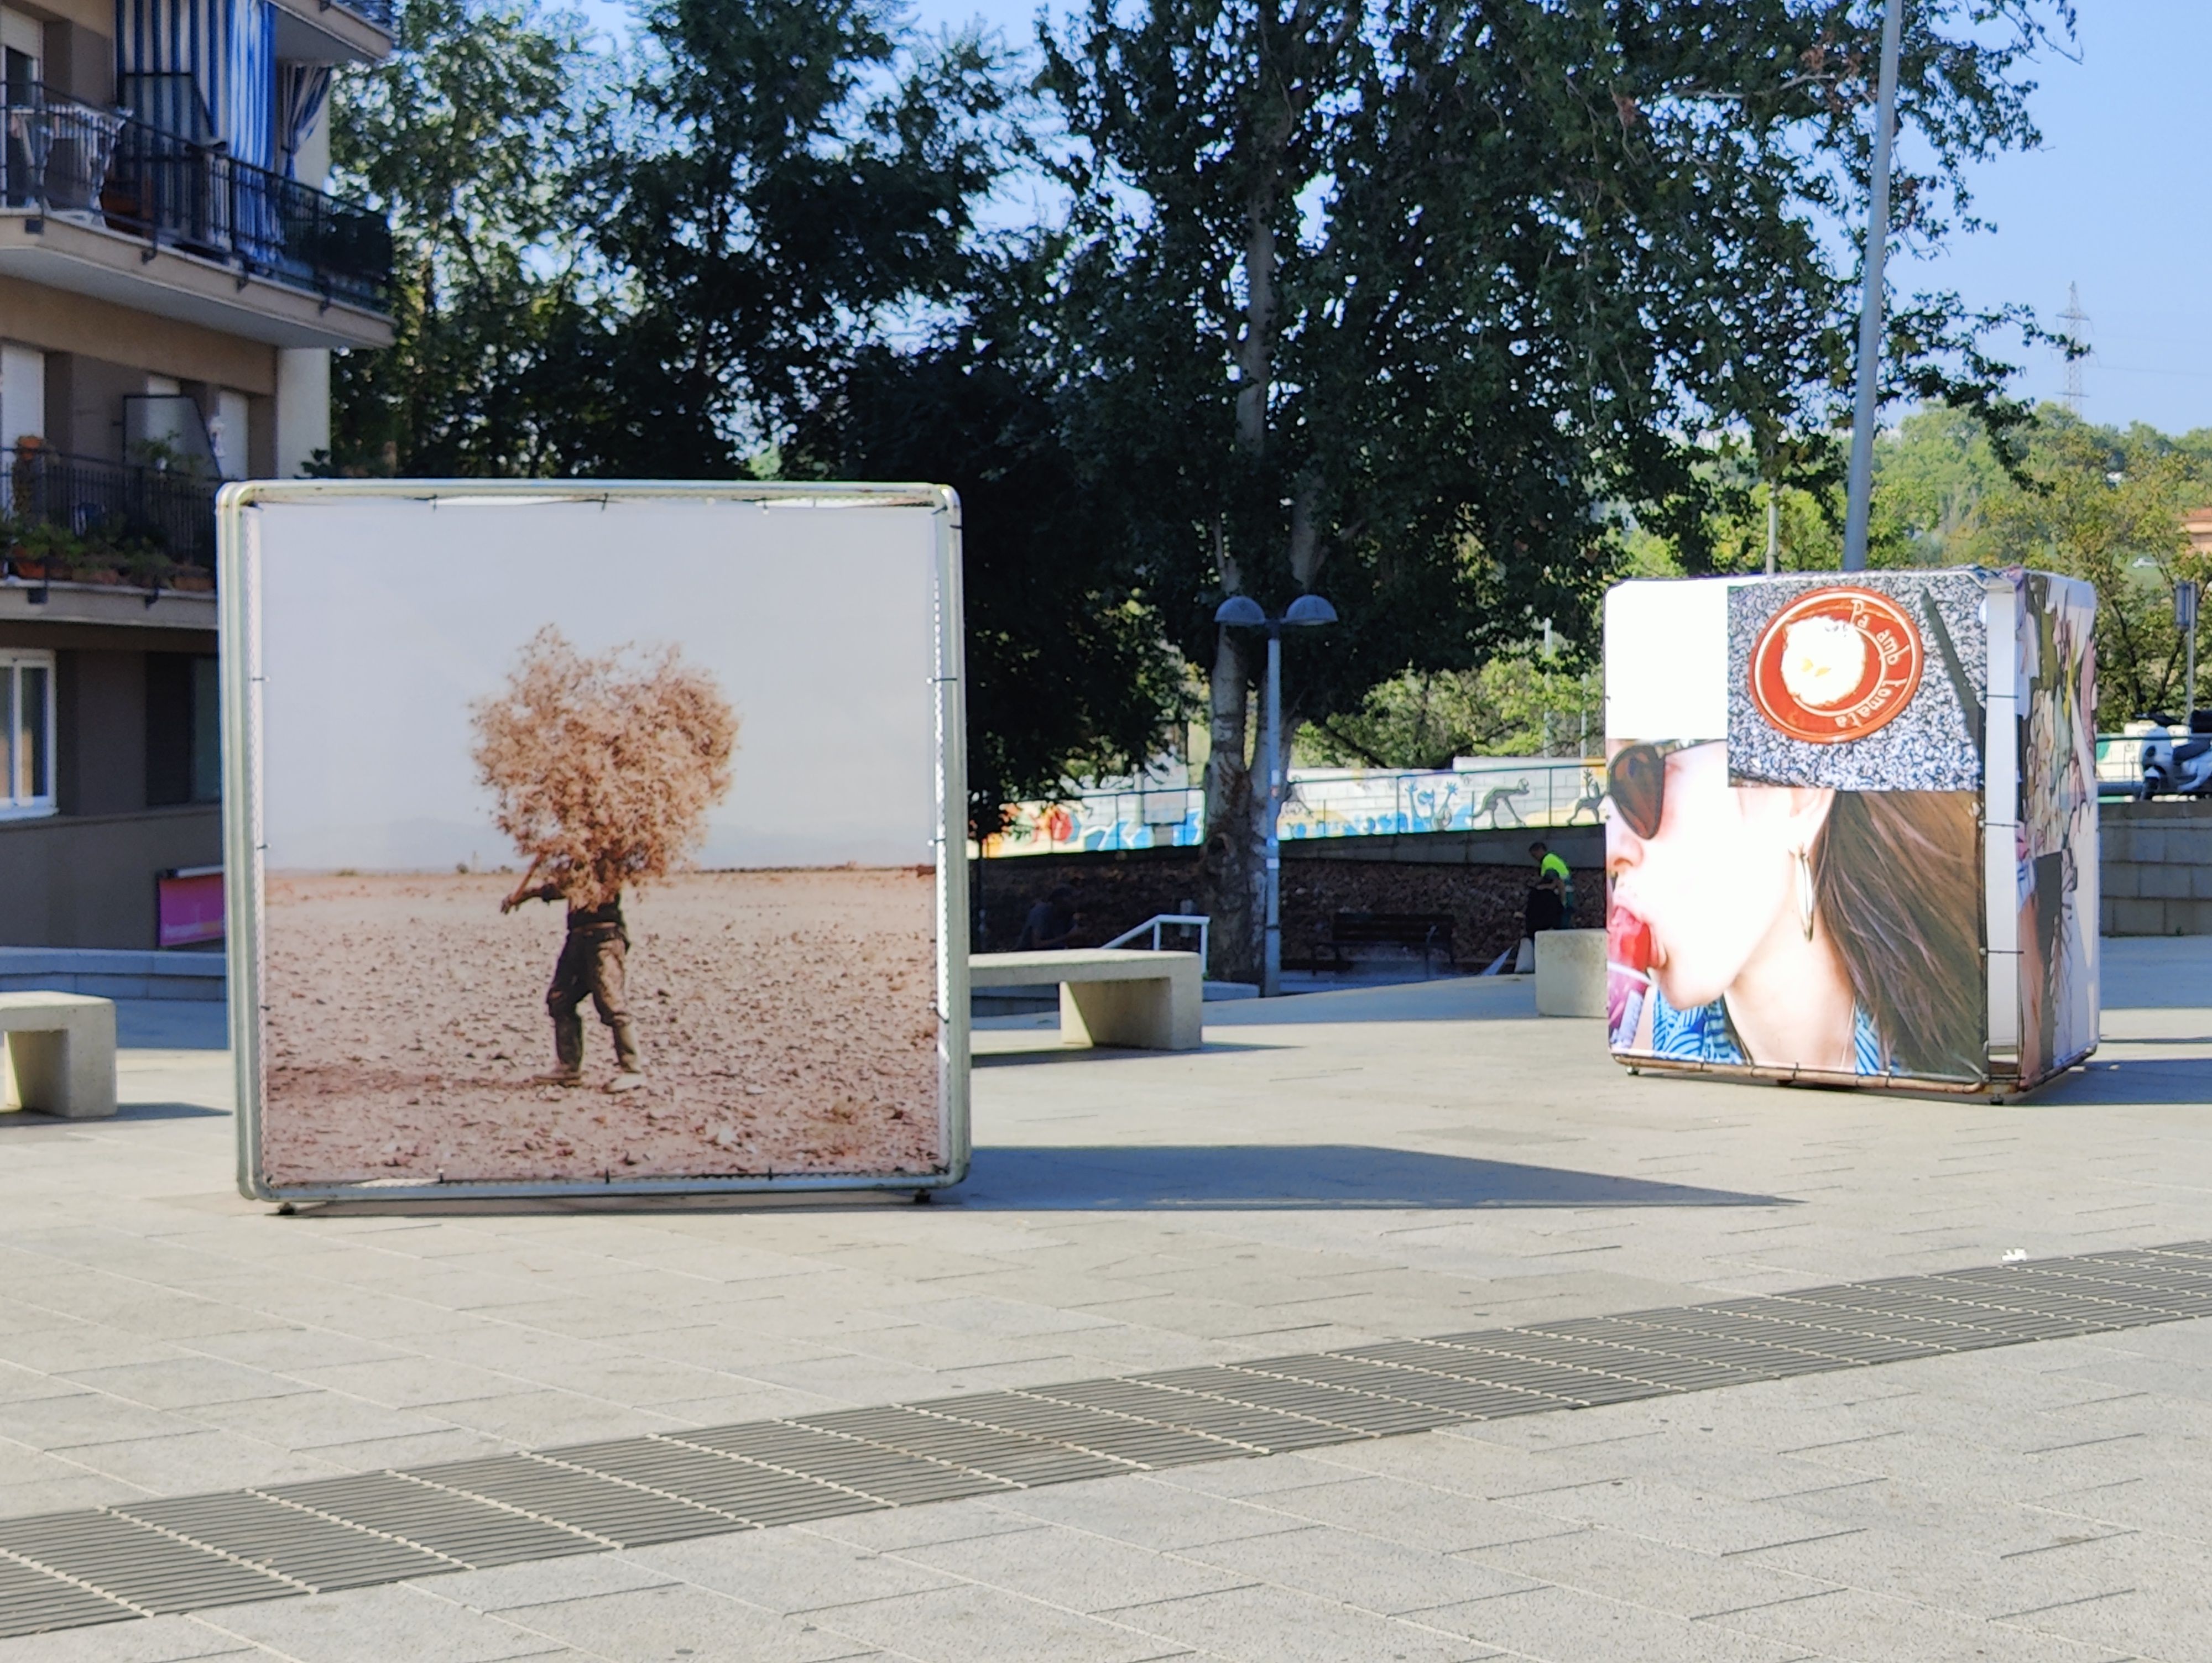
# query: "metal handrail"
1198,921
172,509
63,156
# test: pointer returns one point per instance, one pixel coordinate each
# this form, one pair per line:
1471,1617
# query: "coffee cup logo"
1835,664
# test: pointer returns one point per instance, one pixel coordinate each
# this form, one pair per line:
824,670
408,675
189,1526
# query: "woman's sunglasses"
1635,782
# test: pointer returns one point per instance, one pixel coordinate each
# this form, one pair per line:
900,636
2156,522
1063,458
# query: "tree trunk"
1233,871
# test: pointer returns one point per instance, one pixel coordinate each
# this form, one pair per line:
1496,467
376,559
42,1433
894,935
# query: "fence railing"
1481,794
73,159
1160,921
115,503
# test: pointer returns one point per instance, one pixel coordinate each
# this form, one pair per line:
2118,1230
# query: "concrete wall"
56,320
1481,878
2155,868
72,882
303,408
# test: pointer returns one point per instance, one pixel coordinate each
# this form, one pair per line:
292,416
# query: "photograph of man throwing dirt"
602,772
620,791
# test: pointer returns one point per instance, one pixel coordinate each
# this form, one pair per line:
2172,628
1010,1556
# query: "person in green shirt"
1551,901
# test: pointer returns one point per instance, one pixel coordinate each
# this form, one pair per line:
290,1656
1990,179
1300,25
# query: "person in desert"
592,966
603,770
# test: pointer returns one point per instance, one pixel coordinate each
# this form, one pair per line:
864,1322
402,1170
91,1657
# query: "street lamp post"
1243,612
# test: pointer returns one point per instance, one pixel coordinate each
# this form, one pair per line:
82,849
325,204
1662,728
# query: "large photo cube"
1851,826
594,841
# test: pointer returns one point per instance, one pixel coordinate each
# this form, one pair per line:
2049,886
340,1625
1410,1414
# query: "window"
183,739
27,732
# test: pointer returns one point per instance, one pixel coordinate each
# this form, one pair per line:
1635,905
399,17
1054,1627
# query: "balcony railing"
75,160
125,515
378,12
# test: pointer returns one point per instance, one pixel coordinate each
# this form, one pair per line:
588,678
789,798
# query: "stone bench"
1110,996
1570,972
58,1054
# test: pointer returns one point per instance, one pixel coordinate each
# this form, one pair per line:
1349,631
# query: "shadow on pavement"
1226,1177
1045,1045
2154,972
23,1119
1301,1175
2106,1079
1452,998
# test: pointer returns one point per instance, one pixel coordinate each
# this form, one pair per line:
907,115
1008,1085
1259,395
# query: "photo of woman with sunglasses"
1794,927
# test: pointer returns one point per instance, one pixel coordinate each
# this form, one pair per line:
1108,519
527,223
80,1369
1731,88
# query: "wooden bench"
1108,996
58,1054
1355,935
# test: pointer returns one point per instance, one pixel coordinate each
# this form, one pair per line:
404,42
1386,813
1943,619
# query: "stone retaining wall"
2155,868
1480,881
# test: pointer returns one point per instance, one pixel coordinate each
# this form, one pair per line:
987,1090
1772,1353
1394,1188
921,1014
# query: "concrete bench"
58,1054
1570,972
1110,996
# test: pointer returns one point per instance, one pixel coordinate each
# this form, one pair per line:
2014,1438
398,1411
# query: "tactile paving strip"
65,1570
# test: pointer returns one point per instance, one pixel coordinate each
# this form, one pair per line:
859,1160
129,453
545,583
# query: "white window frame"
12,661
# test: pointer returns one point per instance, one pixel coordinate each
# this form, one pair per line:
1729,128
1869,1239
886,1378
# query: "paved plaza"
1331,1171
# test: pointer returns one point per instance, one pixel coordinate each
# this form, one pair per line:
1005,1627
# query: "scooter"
2178,760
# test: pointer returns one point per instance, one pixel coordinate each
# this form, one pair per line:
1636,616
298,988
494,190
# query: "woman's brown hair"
1897,876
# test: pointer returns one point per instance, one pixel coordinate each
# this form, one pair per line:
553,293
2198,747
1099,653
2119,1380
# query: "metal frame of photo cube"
244,843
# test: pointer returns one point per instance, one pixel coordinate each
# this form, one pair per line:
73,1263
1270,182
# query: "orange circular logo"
1835,664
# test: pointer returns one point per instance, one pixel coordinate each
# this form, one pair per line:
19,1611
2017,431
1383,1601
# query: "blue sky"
2113,202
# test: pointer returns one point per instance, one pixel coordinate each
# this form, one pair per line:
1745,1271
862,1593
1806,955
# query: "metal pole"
2190,718
2185,619
1270,964
1877,246
1773,525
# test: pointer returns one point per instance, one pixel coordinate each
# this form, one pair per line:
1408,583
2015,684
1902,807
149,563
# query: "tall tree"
1069,676
1411,299
470,139
798,185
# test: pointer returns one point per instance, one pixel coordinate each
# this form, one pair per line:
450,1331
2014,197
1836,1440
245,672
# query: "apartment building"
172,281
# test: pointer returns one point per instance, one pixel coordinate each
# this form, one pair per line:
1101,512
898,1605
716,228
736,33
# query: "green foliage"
1423,306
1068,676
1395,304
474,139
67,554
2095,502
1509,707
799,185
2107,505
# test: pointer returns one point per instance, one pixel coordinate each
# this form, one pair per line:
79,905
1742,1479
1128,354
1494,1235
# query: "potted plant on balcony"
39,552
140,565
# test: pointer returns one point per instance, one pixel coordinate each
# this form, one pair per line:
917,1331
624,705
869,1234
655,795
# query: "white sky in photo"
383,622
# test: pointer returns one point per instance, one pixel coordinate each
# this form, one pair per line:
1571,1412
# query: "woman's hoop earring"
1805,892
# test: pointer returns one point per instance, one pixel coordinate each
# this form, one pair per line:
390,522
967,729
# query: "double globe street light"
1243,612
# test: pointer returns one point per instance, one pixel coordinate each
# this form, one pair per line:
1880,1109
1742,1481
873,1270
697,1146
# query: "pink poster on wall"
189,906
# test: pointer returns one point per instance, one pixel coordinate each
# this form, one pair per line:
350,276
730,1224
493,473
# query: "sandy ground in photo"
786,1021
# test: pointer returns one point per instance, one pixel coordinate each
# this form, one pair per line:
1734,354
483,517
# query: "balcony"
147,527
80,168
335,31
378,12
